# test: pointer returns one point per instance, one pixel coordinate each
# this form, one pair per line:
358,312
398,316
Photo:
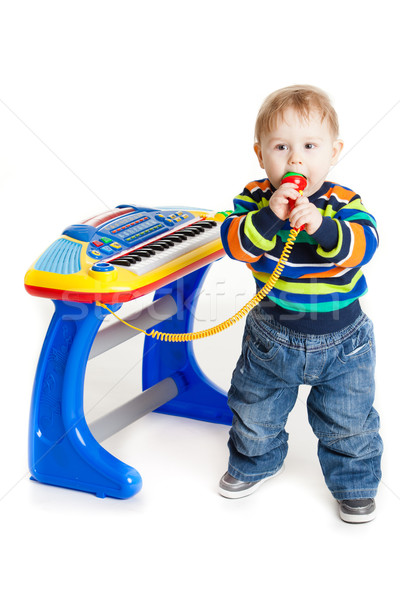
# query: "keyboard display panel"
135,229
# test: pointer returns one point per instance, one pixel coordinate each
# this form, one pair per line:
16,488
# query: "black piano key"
143,252
208,224
170,242
195,230
131,258
157,246
174,237
122,262
188,232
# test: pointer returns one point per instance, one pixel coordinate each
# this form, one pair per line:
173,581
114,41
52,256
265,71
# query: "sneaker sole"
348,518
249,491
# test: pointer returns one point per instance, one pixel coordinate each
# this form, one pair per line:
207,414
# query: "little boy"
310,329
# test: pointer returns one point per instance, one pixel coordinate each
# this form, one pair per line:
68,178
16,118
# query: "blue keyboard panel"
129,230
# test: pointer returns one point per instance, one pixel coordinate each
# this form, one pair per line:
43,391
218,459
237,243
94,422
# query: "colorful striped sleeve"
251,229
356,236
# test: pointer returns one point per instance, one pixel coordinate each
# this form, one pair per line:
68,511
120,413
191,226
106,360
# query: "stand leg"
62,451
198,397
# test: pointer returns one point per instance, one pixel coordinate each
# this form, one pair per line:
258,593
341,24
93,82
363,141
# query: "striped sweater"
320,285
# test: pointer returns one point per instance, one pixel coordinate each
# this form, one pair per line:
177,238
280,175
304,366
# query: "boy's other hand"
279,202
305,213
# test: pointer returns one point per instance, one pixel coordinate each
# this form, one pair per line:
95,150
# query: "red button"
97,243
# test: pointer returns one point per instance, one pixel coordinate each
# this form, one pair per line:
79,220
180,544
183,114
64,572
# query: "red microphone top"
297,178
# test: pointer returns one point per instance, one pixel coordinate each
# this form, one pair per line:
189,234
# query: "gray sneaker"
360,510
230,487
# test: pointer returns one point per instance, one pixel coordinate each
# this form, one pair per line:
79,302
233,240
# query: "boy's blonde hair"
301,98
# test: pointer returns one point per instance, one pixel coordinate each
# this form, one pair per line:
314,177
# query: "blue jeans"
340,368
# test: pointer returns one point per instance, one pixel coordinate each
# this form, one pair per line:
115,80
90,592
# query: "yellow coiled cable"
188,337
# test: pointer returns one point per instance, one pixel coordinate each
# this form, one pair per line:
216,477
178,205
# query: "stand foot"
62,451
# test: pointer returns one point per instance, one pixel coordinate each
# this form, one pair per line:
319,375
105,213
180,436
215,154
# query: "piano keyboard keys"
158,253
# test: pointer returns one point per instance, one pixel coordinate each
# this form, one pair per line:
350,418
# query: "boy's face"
305,147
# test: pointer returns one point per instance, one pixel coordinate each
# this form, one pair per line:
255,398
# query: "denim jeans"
340,368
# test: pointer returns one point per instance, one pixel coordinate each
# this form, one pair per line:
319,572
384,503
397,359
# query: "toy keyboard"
125,253
107,260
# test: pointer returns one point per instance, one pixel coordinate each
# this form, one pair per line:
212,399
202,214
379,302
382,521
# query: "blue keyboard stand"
62,449
199,398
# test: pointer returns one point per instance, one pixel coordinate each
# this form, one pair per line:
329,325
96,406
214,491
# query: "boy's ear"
337,148
257,150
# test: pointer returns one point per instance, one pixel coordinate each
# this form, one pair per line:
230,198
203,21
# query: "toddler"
310,329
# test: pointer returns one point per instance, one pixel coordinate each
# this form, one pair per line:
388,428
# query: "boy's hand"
305,213
279,202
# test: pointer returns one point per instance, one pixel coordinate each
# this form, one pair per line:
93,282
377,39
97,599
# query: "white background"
154,102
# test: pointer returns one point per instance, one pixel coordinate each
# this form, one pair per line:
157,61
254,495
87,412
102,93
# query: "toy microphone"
301,183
